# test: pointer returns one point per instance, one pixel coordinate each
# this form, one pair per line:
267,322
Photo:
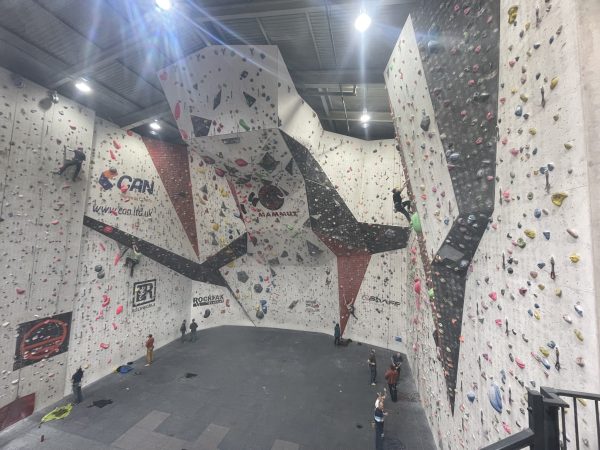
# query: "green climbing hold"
244,125
415,222
431,294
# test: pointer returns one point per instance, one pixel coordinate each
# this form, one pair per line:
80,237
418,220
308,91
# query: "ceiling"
119,46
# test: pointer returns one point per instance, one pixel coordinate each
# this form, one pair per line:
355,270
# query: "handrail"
514,442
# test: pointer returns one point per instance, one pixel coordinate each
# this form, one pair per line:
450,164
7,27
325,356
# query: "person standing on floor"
397,362
193,328
337,334
372,366
76,380
149,350
379,416
183,329
77,161
391,376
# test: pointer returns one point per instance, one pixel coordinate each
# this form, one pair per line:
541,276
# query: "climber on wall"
399,205
77,161
350,308
133,259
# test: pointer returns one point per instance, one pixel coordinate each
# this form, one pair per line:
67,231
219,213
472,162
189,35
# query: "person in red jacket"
391,376
149,350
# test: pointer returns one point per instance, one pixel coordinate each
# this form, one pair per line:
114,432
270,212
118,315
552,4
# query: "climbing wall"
529,313
312,214
213,306
140,196
115,312
40,236
419,137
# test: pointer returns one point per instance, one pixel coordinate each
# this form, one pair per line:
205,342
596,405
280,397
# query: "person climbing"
391,376
183,329
399,205
193,328
106,176
77,161
350,308
379,417
397,361
76,380
337,334
149,350
133,259
372,366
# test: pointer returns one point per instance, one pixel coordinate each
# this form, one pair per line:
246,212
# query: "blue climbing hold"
495,397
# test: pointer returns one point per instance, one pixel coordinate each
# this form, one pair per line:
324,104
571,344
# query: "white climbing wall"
518,308
115,313
147,212
410,100
40,235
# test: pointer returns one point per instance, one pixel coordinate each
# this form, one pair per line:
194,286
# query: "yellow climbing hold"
215,226
524,98
558,292
544,351
553,82
512,14
532,131
579,335
529,233
558,198
568,146
574,257
537,314
541,287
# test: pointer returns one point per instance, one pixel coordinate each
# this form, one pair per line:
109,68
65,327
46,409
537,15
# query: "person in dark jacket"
399,205
372,366
76,381
77,161
337,334
193,328
183,329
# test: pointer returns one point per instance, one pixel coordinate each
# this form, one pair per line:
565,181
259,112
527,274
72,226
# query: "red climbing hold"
20,291
163,75
104,346
177,112
107,229
493,296
112,155
105,300
240,162
116,144
119,309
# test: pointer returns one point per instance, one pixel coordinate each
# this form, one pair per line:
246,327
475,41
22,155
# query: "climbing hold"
425,122
206,313
512,14
546,235
529,233
415,222
574,257
495,397
20,291
558,198
119,309
471,396
579,334
568,146
104,346
572,232
553,82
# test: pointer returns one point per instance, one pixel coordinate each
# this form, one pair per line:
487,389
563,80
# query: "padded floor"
246,388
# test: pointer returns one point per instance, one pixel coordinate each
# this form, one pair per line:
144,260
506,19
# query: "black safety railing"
547,422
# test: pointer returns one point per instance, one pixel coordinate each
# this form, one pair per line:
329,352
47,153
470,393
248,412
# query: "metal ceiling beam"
282,7
137,118
56,65
337,76
263,31
354,116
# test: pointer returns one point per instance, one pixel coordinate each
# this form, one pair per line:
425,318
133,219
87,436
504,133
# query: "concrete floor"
256,388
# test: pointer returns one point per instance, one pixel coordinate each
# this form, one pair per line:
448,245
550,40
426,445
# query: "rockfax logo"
125,182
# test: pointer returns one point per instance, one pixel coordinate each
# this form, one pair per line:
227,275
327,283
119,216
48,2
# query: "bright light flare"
362,22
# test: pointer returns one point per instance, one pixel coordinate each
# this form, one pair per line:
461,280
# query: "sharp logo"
125,182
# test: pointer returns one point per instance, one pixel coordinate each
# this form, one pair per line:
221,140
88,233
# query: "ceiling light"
83,86
365,124
163,5
155,125
365,118
153,132
362,22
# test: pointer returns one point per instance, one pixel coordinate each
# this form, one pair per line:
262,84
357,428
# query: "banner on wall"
208,300
144,295
42,338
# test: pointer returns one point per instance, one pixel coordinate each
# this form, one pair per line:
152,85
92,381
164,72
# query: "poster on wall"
42,338
144,294
208,300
